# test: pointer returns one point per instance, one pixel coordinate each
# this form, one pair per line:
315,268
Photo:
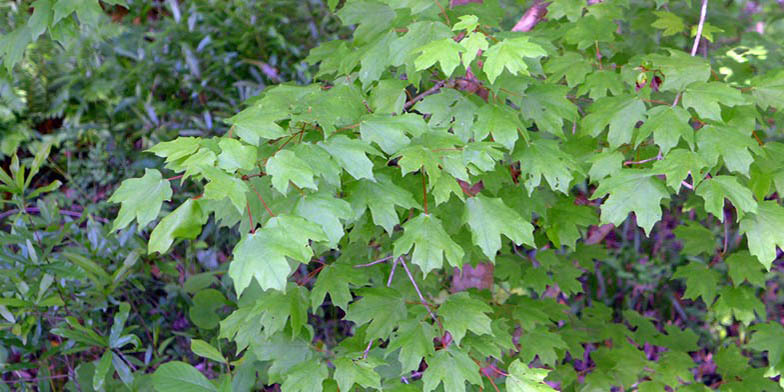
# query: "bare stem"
430,91
392,273
379,261
703,12
419,293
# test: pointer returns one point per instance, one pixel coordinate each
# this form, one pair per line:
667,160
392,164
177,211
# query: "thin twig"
379,261
703,12
430,91
656,158
687,185
392,273
367,350
443,12
419,293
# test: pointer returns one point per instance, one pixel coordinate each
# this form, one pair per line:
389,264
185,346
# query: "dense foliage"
470,195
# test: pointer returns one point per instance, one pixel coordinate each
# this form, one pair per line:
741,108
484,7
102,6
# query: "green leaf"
462,313
473,43
235,155
256,123
285,166
389,132
739,302
349,372
546,158
431,244
383,308
351,154
335,279
769,337
669,22
223,186
541,343
39,21
763,231
327,211
388,97
179,376
696,239
599,83
510,54
588,30
204,312
101,370
468,23
701,281
548,106
185,221
704,98
564,220
308,376
380,197
414,338
668,125
678,165
768,90
443,51
140,198
262,255
499,121
632,190
621,113
606,163
743,266
729,143
569,65
716,189
205,350
523,378
680,69
452,368
488,218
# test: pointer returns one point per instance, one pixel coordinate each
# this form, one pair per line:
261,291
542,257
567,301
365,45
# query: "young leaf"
262,255
185,221
523,378
488,218
444,51
140,198
223,186
286,166
431,244
510,54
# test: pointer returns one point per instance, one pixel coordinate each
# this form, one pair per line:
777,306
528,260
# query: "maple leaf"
140,198
285,166
743,266
380,197
569,65
488,218
763,231
632,190
523,378
564,220
235,155
414,338
739,302
716,189
185,221
499,121
223,186
452,368
307,376
680,69
335,279
668,124
729,143
444,51
704,98
327,211
462,313
669,22
769,337
351,155
768,90
678,164
696,239
262,255
389,132
382,308
510,54
545,158
548,106
621,113
541,343
349,372
701,281
431,243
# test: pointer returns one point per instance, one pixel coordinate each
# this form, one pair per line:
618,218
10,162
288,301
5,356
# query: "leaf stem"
703,12
419,293
266,207
250,218
424,190
379,261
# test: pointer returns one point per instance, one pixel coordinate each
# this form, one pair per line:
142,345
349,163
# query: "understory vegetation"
397,195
